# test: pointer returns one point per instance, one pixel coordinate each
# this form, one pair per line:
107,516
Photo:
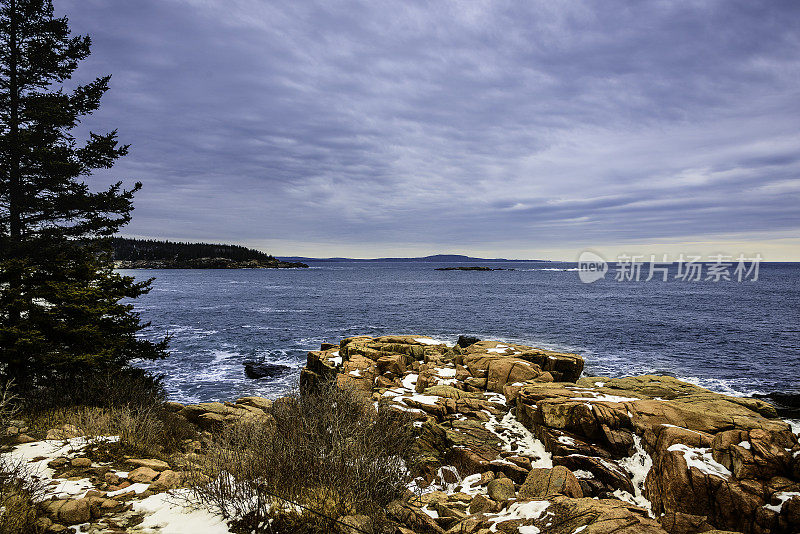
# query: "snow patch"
782,496
410,381
602,397
638,465
446,372
516,438
519,510
428,341
701,459
169,514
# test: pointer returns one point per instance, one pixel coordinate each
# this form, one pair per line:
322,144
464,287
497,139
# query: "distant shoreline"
436,258
207,263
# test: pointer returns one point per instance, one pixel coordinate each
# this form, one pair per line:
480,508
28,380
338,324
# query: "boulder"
501,371
466,341
395,364
80,462
542,482
501,489
21,439
256,402
74,511
597,516
210,420
155,465
263,369
166,480
481,504
142,475
413,517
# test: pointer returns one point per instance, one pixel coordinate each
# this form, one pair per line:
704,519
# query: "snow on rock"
519,510
137,488
594,396
781,496
446,372
702,460
516,438
36,455
638,466
410,381
795,425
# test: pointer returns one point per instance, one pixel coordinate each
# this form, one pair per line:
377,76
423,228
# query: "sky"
526,129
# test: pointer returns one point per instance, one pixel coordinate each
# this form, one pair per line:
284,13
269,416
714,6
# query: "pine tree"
61,304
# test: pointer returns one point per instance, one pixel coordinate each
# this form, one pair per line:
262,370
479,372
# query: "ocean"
732,337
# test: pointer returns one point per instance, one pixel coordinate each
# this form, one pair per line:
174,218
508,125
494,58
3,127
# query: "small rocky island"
155,254
509,438
473,268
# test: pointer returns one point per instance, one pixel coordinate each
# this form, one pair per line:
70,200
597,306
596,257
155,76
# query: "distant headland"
156,254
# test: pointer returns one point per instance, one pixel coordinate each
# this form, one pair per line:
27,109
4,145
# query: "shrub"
144,431
322,456
19,494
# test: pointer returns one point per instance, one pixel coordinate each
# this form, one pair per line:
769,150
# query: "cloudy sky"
527,129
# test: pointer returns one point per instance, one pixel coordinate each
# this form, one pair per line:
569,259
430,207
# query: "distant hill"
436,258
157,254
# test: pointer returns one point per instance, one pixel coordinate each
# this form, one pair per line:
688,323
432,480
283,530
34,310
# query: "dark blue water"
732,337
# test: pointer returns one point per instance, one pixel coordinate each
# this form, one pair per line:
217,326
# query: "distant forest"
151,249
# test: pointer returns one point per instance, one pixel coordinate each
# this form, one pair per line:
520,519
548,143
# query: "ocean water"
732,337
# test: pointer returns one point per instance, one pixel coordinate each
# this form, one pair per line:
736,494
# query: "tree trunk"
14,190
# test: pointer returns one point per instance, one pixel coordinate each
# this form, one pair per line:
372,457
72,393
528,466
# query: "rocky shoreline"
511,438
516,440
207,263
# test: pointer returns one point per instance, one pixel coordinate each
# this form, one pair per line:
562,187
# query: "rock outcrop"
512,436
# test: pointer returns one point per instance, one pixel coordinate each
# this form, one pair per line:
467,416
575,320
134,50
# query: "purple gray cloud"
514,128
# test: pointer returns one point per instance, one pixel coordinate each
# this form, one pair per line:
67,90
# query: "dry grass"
149,431
325,455
19,491
19,494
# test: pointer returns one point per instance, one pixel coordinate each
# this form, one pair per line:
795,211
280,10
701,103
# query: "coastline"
207,263
512,438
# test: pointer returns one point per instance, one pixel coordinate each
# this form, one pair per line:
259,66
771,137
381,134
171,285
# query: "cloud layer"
511,128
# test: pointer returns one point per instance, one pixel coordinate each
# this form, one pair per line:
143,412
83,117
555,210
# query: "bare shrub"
20,491
322,456
9,407
147,431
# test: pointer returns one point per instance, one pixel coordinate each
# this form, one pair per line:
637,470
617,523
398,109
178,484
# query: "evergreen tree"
60,301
